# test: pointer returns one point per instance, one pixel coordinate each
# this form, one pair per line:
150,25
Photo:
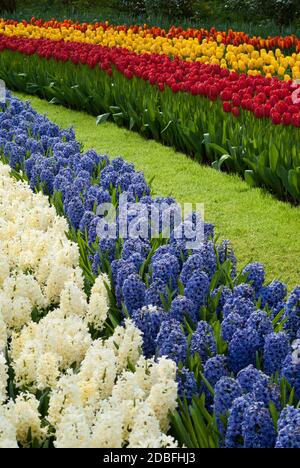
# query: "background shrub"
282,11
8,5
179,8
136,7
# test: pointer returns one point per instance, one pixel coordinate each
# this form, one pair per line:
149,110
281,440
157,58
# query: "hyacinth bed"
226,99
135,343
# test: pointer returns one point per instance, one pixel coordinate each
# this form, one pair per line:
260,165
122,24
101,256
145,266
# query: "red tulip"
262,96
227,106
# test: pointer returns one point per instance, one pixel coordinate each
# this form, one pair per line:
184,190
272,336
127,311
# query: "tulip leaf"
102,118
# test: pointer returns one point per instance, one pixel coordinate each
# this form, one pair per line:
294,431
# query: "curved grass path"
259,227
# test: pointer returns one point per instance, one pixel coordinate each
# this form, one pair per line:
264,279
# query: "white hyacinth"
103,393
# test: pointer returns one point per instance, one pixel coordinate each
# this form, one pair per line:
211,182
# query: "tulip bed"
243,122
231,341
233,50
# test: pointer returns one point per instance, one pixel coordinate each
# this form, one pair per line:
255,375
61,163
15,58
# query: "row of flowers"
264,97
206,47
235,340
226,37
57,385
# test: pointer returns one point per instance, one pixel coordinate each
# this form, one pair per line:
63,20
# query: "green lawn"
259,227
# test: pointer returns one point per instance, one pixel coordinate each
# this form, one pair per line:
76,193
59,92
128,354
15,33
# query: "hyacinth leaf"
180,430
292,397
131,366
221,344
189,423
274,414
200,428
277,318
207,384
194,363
192,426
44,400
283,392
115,323
258,361
188,327
286,392
280,326
205,422
11,389
56,201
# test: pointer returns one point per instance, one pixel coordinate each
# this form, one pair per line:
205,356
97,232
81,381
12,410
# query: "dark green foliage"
8,5
282,11
171,8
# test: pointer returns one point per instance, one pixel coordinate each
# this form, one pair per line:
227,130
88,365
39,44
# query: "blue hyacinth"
265,391
258,427
244,291
121,270
161,251
171,341
215,368
197,288
203,342
148,320
193,264
292,313
240,306
92,233
262,324
248,377
226,391
133,246
86,221
234,433
230,325
134,293
75,212
183,308
291,370
255,275
289,429
187,384
272,294
209,257
167,270
276,349
242,349
156,294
